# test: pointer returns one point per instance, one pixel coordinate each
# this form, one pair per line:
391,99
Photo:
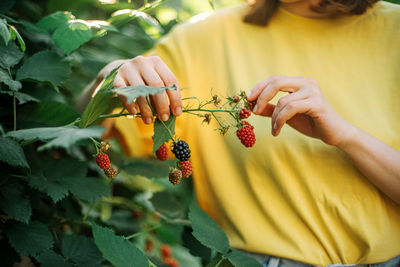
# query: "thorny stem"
144,231
185,110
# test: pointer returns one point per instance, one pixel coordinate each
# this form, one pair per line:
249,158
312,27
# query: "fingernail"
255,108
275,126
178,111
149,120
164,117
249,94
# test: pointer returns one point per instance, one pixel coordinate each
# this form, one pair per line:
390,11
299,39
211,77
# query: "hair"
261,11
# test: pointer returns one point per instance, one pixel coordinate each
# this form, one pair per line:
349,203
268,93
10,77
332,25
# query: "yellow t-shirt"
291,196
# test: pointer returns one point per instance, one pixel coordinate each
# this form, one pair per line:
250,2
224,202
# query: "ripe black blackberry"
181,150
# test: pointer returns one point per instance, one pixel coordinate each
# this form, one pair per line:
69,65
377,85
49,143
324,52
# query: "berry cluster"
246,135
182,153
245,131
103,161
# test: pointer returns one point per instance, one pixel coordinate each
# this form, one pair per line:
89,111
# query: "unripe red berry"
102,160
175,176
186,168
244,113
171,262
149,245
110,172
162,152
165,251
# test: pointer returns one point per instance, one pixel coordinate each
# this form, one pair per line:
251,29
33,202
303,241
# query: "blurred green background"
133,38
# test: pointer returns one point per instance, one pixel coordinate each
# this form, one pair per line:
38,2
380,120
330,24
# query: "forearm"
86,94
377,161
89,90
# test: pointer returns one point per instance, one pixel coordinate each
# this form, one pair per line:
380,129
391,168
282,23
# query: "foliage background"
57,208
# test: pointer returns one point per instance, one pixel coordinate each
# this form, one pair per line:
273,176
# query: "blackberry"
181,150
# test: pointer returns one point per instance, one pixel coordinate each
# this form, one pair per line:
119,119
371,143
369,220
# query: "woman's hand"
150,71
305,108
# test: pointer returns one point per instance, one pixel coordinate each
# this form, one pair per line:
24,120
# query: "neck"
303,9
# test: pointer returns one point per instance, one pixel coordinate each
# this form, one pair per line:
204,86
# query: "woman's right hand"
150,71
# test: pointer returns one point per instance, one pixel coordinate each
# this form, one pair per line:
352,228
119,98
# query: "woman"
329,69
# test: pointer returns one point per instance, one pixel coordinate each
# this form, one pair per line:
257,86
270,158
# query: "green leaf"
42,114
81,250
14,202
7,79
61,177
194,246
150,168
116,249
11,152
22,97
90,189
15,34
162,132
133,92
29,239
100,103
50,259
57,136
58,178
44,66
207,231
10,54
4,32
72,35
220,261
241,259
55,20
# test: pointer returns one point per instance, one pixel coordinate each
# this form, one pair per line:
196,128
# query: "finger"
284,84
152,78
268,110
145,110
169,79
283,101
133,78
290,110
119,82
256,91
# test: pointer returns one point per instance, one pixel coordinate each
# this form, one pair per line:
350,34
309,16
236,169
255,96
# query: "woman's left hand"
305,108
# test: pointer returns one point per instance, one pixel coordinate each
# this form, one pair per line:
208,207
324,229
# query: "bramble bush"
57,208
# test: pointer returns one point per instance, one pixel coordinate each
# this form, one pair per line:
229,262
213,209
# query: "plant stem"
144,231
220,261
217,120
95,144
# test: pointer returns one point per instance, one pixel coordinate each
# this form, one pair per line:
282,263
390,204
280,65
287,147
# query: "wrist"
349,136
